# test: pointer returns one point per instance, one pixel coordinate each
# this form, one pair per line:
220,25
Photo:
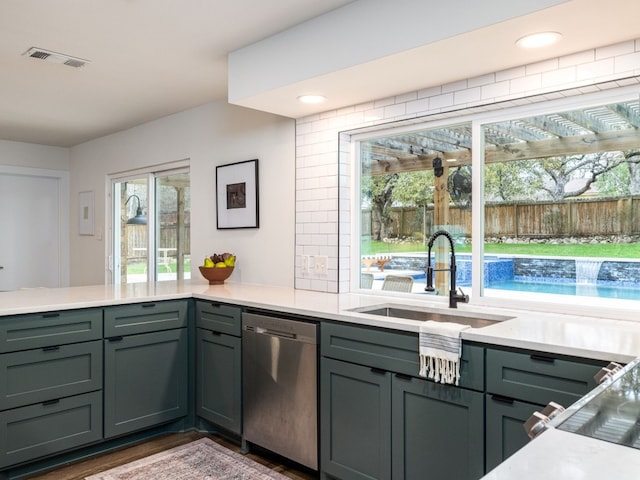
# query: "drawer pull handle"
50,315
542,358
148,305
51,402
51,348
115,339
378,371
216,334
501,399
403,376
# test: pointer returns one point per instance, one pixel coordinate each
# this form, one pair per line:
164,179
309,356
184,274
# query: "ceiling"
152,58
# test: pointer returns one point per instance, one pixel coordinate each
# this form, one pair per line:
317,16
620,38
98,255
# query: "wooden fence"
137,238
569,218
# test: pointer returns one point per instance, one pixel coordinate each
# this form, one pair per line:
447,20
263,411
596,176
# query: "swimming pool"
583,290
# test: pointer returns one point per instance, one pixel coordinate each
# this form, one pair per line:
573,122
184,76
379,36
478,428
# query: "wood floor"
84,468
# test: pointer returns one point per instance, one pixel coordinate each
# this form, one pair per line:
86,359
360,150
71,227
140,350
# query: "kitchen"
195,134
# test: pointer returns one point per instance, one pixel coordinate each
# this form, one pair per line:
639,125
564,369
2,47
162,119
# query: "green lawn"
608,250
140,267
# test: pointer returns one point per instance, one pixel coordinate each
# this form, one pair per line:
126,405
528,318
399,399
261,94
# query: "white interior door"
33,229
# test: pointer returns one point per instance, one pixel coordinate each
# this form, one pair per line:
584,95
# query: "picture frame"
86,212
237,195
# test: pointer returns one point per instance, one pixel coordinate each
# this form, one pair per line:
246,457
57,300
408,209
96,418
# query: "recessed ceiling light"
538,40
312,98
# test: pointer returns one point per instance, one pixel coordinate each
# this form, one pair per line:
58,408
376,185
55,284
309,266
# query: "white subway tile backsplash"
467,96
615,50
556,78
577,59
627,63
596,69
511,73
496,90
531,83
383,102
454,86
482,80
395,110
418,106
540,67
441,101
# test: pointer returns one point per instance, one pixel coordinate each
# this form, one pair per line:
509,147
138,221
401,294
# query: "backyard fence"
137,238
568,218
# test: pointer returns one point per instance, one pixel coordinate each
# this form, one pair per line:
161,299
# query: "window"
541,202
151,240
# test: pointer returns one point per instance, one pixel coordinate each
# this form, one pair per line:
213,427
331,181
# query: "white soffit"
360,33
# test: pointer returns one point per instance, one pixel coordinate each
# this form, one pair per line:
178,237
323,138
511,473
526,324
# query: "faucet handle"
462,297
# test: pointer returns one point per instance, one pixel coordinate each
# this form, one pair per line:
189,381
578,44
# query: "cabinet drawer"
24,332
393,351
46,428
218,317
49,373
539,378
144,317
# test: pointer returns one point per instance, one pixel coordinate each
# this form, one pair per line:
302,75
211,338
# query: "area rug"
203,459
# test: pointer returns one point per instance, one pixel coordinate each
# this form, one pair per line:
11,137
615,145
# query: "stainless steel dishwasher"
279,386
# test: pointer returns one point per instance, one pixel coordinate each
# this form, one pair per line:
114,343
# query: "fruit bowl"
216,275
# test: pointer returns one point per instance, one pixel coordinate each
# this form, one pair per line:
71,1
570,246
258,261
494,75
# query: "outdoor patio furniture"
366,280
397,283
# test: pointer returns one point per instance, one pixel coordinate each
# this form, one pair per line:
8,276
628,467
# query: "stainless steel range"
610,412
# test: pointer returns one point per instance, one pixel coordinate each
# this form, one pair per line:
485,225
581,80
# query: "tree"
378,191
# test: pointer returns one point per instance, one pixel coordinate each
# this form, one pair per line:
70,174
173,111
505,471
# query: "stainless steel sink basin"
475,320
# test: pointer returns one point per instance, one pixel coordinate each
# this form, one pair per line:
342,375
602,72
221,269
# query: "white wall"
209,135
33,156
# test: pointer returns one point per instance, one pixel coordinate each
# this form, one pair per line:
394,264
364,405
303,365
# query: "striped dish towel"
440,350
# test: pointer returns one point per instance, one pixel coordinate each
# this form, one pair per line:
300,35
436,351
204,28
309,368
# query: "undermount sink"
475,320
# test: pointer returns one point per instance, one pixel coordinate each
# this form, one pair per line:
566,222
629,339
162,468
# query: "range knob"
537,423
607,372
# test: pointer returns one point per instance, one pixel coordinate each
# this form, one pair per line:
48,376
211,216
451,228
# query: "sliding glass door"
151,227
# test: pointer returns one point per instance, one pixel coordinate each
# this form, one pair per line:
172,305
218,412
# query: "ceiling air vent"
53,57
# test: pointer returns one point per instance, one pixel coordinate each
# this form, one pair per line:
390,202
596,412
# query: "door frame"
64,205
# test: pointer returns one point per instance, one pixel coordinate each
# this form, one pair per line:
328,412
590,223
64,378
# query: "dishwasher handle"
270,332
283,328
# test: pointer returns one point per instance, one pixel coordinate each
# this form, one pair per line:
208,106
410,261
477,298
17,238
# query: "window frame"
597,306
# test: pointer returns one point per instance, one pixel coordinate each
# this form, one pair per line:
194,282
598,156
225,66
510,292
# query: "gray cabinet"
50,394
355,426
379,421
519,383
146,366
219,365
432,422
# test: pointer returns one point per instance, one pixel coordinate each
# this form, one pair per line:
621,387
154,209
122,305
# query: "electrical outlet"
320,266
305,264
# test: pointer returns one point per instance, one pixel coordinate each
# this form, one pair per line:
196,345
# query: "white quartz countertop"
581,336
556,454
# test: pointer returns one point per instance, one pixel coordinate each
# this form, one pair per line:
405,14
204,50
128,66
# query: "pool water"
586,290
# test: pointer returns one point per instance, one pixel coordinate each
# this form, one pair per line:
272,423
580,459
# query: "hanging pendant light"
139,219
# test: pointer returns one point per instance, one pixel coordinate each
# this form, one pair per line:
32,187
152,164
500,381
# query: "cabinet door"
504,432
437,431
355,421
218,383
145,380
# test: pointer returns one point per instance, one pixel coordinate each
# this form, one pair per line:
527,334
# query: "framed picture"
86,212
237,195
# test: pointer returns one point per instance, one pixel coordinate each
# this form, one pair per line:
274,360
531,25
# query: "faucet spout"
454,296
